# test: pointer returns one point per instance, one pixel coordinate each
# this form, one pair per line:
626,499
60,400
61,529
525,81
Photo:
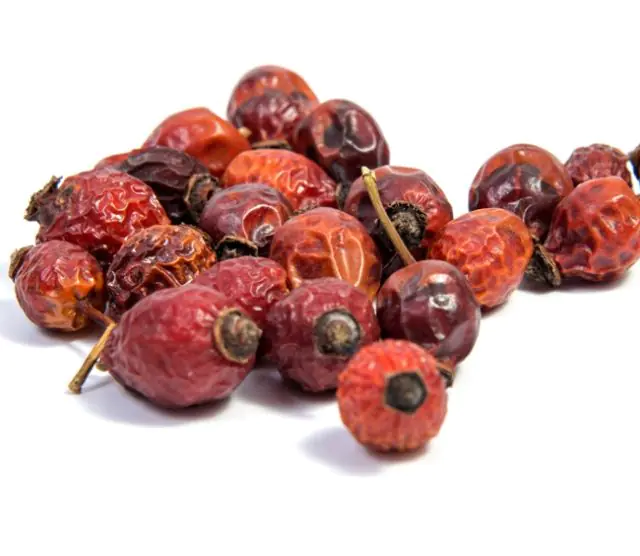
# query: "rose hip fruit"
492,247
326,242
301,181
269,101
431,304
171,174
202,134
58,285
524,179
597,161
341,137
392,397
96,210
594,235
242,219
312,333
181,347
159,257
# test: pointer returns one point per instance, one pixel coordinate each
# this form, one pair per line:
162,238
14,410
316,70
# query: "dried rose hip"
392,397
95,210
431,304
242,219
203,135
180,347
159,257
58,285
341,137
301,181
492,247
597,161
523,179
114,160
171,174
314,331
594,234
326,242
269,101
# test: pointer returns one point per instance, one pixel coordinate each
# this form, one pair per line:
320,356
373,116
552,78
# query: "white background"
539,452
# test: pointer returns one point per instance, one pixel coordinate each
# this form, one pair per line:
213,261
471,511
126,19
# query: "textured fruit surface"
270,101
253,283
97,210
301,181
168,172
202,134
326,242
306,345
114,160
431,303
362,397
492,248
524,179
53,280
152,259
249,212
165,348
595,232
597,161
341,137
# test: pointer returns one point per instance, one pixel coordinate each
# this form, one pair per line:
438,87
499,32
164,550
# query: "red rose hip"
597,161
312,333
392,397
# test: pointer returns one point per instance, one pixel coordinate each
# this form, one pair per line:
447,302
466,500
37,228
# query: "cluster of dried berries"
219,243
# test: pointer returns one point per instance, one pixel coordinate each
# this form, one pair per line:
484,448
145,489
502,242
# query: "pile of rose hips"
265,237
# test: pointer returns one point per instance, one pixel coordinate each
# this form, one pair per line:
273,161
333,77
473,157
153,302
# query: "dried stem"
81,376
372,189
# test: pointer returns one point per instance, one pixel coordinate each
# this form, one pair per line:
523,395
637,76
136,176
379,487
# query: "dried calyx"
236,336
408,220
231,247
337,333
200,189
41,199
405,392
17,258
542,268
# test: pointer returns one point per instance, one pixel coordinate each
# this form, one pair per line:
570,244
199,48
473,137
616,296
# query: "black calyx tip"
236,336
200,189
542,268
337,333
405,392
42,198
17,258
409,220
231,247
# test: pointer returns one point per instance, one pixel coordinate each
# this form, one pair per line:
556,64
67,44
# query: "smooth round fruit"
597,161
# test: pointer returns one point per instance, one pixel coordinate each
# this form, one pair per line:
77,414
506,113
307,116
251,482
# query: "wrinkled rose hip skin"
301,181
491,247
341,137
594,235
270,101
182,347
312,333
242,219
96,210
431,304
202,134
152,259
597,161
523,179
55,283
392,397
326,242
169,173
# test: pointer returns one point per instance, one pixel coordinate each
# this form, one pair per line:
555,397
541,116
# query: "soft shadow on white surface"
106,399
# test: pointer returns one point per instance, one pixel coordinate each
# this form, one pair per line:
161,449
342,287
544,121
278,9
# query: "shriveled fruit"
594,235
159,257
96,210
492,247
242,219
392,397
301,181
312,333
202,134
325,242
58,285
524,179
597,161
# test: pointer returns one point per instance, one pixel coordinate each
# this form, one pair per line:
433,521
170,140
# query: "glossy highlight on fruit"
391,396
524,179
301,181
326,242
597,161
312,333
491,247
